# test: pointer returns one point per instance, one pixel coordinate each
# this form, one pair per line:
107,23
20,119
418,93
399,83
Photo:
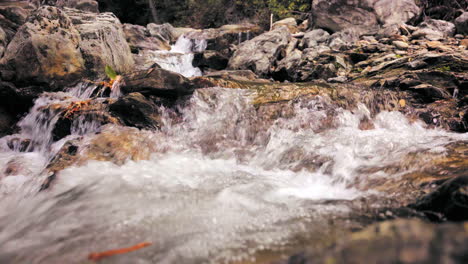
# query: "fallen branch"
100,255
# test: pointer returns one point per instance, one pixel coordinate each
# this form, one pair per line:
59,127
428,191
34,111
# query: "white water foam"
179,59
220,187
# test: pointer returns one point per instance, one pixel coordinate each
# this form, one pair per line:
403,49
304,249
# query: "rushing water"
221,184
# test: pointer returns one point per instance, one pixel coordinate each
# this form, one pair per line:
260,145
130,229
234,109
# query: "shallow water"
220,186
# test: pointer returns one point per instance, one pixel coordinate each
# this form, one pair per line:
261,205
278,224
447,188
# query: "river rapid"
220,185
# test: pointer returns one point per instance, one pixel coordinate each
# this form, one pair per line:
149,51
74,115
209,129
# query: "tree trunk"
152,8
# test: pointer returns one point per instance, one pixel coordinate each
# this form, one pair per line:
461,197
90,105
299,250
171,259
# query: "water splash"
224,183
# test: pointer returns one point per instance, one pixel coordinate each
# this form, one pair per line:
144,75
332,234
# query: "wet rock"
75,115
450,200
158,82
139,38
260,53
137,111
461,24
118,145
19,144
240,75
433,29
210,59
45,50
102,42
65,157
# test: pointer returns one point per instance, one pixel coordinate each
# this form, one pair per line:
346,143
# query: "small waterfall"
179,59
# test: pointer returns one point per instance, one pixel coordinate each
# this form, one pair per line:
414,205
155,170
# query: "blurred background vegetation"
205,13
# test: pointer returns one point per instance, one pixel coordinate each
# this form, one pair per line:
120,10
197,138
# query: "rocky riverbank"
365,57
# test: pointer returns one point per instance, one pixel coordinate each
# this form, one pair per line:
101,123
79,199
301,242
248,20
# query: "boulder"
313,38
344,39
210,59
433,29
366,15
450,200
462,24
289,22
136,110
139,38
260,53
224,38
336,15
157,82
395,11
165,31
45,50
14,14
102,42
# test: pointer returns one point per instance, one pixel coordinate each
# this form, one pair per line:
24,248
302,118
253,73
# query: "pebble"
400,45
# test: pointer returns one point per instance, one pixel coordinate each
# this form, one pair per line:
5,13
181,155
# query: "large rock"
166,31
313,38
223,39
157,82
367,15
13,14
433,29
210,59
102,42
462,24
289,22
139,38
450,200
395,11
45,50
136,110
336,15
261,52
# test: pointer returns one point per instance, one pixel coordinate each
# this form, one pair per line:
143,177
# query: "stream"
220,184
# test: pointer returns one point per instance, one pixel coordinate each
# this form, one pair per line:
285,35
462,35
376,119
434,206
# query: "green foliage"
205,13
110,72
444,69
